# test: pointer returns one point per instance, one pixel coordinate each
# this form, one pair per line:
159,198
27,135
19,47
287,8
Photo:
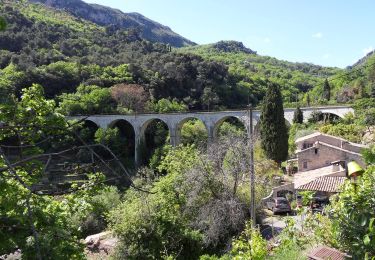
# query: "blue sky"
324,32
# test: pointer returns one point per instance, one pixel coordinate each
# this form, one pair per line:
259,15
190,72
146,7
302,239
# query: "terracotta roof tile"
325,253
327,184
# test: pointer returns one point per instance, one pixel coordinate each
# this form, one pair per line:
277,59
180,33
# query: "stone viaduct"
211,120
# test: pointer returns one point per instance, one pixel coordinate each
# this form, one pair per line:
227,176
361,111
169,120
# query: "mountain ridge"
106,16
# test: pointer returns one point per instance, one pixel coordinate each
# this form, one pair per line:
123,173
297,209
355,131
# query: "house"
320,150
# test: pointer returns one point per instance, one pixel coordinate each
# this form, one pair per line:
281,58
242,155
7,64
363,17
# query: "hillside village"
121,139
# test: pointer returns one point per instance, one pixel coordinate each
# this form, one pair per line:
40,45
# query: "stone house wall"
321,155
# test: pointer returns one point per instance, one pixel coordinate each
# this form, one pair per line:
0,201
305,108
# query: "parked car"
279,205
318,203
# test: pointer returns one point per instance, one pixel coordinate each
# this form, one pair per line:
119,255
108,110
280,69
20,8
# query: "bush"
307,196
250,245
151,225
87,100
194,132
111,138
232,129
165,105
89,206
351,132
196,207
289,252
95,220
354,216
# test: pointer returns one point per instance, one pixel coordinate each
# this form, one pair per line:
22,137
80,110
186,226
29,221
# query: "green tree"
369,155
11,80
87,100
38,225
354,216
326,90
298,116
209,98
194,132
151,225
273,129
165,105
3,24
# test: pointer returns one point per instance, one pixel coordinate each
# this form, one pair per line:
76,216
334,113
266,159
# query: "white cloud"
317,35
367,50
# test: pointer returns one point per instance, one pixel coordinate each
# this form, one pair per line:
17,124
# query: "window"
306,145
316,150
305,165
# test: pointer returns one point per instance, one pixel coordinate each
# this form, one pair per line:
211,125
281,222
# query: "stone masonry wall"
321,155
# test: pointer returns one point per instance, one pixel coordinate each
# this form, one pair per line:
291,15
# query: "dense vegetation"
253,71
302,82
187,202
62,52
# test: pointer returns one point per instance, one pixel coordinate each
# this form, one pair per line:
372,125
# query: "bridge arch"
154,133
127,134
90,123
233,120
322,115
183,133
87,130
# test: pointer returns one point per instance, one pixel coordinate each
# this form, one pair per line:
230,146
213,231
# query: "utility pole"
252,171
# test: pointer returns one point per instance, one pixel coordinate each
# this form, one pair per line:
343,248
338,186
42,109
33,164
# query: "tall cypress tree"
326,91
273,129
298,116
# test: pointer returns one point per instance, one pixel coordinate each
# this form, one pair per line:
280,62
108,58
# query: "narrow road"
273,225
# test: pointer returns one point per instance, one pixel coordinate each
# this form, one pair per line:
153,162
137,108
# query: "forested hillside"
299,81
60,51
357,81
252,70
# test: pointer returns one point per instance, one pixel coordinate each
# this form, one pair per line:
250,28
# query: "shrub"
250,245
194,132
307,196
354,217
165,105
351,132
151,225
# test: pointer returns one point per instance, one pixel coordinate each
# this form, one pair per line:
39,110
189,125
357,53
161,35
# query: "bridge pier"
211,131
137,148
174,135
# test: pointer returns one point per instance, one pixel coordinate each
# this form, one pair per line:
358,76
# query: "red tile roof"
325,253
327,184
